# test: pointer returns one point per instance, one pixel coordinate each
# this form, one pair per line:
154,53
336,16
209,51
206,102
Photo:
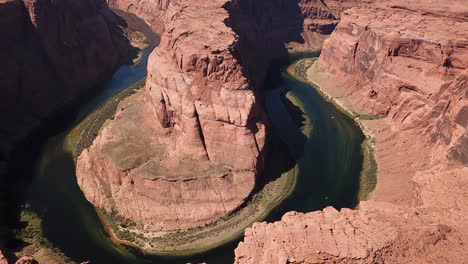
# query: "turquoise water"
329,160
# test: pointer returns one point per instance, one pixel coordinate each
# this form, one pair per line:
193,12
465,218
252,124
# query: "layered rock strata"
152,11
401,68
52,53
197,133
44,66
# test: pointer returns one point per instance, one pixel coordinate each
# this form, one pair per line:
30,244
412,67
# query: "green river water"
329,161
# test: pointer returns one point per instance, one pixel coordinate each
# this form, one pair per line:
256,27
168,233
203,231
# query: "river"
329,160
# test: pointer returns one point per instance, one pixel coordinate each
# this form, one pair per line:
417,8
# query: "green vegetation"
369,170
34,239
294,107
120,226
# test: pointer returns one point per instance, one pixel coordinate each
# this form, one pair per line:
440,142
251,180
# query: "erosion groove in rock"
405,63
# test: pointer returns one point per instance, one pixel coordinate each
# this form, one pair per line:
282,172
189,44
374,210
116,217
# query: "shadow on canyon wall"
264,29
38,99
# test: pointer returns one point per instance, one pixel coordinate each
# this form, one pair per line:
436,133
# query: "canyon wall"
198,131
45,66
152,11
51,52
401,67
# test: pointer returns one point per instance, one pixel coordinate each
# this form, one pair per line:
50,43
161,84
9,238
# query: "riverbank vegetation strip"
368,177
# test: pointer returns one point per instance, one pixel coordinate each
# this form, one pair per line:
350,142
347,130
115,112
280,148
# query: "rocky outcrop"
3,259
44,67
369,235
26,260
402,69
152,11
198,123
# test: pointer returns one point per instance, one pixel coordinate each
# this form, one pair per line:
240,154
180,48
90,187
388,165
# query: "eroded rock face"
369,235
26,260
198,131
152,11
3,259
407,61
45,66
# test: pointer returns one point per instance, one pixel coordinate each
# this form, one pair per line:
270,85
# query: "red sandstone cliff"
407,61
152,11
52,52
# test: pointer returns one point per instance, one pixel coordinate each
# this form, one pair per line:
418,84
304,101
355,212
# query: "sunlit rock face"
152,11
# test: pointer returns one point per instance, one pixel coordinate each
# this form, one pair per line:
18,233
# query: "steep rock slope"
44,66
405,61
152,11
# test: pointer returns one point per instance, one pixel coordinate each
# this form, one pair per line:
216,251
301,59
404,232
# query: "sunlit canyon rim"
189,148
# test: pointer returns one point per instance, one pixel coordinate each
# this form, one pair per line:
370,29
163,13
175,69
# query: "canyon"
190,147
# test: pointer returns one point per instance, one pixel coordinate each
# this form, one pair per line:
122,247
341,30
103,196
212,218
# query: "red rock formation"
200,126
3,259
152,11
369,235
408,61
43,66
51,52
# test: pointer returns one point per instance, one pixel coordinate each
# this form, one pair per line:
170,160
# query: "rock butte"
189,149
407,61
